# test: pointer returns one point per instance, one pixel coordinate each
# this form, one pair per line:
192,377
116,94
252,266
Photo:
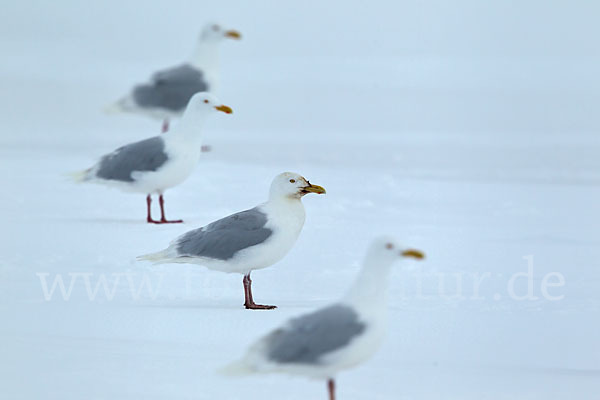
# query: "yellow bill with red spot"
418,254
233,35
314,189
224,108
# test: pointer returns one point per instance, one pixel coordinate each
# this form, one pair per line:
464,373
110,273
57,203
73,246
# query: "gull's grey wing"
146,155
306,339
222,239
171,89
180,73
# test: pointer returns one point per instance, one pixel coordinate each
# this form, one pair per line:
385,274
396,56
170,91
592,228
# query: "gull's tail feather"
113,108
156,258
237,368
119,106
80,176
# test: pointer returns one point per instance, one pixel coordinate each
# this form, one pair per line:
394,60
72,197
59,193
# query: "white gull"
334,338
153,165
248,240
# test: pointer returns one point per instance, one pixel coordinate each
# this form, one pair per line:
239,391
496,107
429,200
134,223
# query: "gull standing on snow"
337,337
167,93
161,162
248,240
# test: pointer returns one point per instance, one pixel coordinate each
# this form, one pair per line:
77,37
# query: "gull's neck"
287,208
369,293
206,57
189,128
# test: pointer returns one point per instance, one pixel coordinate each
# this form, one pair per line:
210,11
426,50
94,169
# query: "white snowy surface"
437,123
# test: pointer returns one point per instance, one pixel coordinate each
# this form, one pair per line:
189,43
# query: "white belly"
258,257
172,174
357,352
177,169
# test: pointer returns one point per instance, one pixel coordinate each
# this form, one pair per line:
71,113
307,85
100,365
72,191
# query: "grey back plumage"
222,239
171,89
306,339
145,155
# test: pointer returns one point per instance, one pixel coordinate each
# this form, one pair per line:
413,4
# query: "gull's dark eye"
292,181
206,101
389,246
215,27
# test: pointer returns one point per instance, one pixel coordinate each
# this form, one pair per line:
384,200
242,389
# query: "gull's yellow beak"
313,189
419,255
233,35
224,108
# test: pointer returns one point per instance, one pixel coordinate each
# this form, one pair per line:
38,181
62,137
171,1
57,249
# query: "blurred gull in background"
167,93
158,163
248,240
337,337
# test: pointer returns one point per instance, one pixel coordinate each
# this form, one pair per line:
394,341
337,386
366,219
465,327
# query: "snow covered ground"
473,142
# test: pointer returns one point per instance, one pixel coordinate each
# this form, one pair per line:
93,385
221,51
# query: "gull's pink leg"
163,218
149,217
249,303
331,387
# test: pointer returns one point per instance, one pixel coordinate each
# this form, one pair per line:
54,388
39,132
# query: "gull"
334,338
153,165
248,240
168,91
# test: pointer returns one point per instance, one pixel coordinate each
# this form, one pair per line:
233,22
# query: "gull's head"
215,33
206,103
293,186
386,249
